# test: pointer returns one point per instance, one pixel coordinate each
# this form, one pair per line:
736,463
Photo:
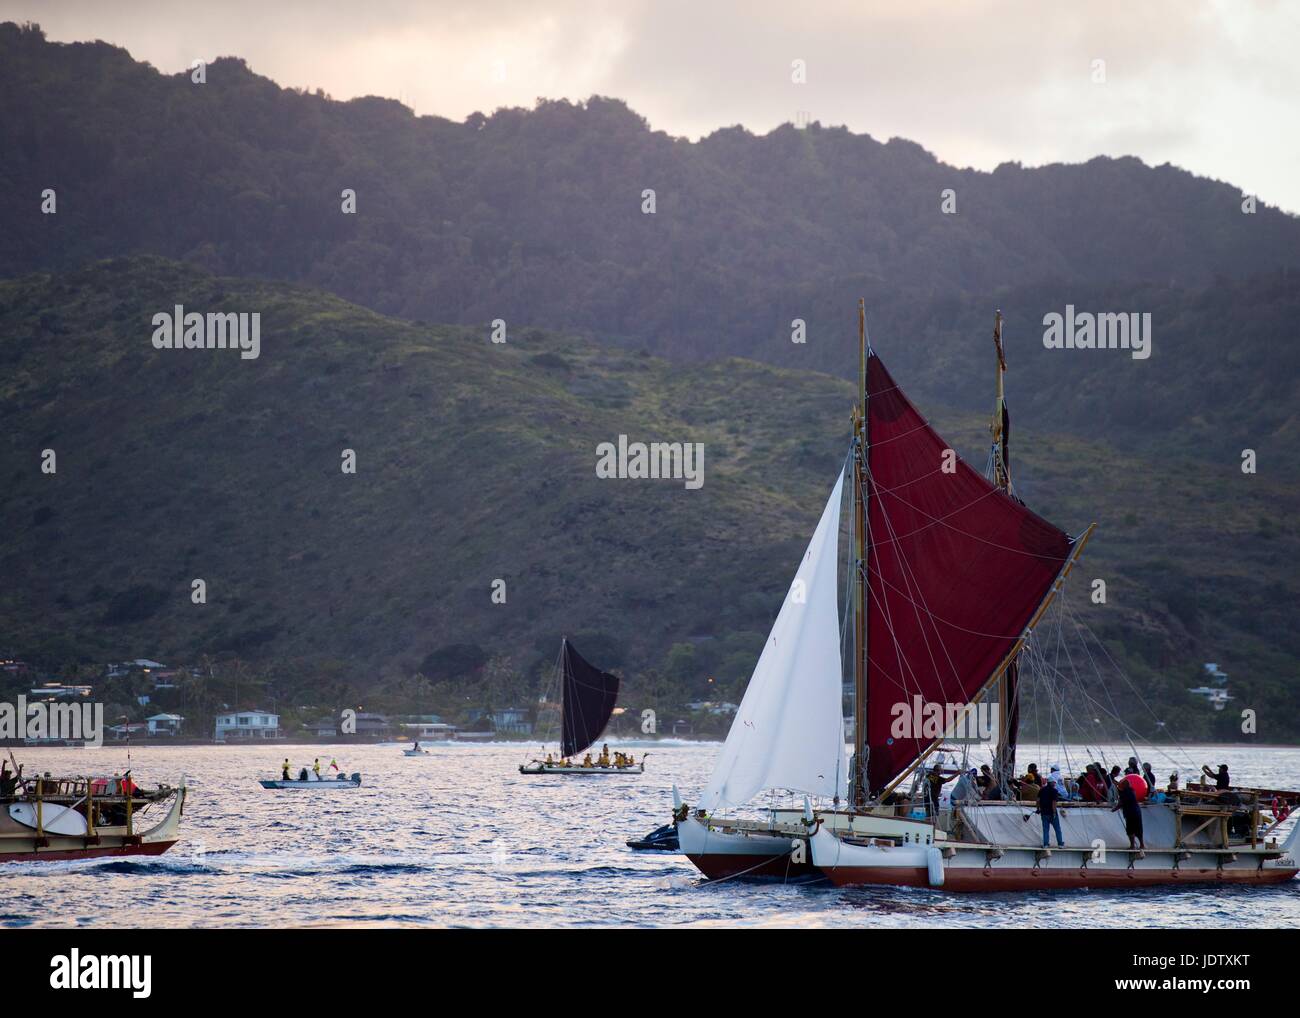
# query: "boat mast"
1004,760
859,775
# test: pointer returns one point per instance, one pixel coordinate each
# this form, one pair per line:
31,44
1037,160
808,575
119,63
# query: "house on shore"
247,725
165,724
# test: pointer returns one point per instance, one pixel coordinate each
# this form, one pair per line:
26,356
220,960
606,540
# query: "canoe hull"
976,868
17,846
745,855
579,772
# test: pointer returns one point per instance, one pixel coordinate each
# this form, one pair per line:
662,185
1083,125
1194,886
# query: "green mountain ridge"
476,462
534,216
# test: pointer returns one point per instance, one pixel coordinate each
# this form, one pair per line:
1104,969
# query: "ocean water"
460,838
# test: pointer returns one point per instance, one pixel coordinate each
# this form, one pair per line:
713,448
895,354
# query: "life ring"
1280,809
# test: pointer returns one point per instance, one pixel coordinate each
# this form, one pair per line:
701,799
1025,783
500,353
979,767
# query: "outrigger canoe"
587,699
541,767
314,783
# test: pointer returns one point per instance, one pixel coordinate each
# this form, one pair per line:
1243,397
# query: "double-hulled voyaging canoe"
949,574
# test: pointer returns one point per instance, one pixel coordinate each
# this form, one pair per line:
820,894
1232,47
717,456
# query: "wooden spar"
1011,655
1008,688
859,794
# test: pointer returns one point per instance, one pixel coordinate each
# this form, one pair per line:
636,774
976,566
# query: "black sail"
589,696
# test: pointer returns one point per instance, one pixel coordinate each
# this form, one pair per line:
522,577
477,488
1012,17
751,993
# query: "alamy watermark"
1109,330
970,722
73,722
682,461
217,330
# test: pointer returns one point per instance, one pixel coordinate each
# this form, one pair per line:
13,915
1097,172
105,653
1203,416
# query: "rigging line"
1104,687
1099,706
1037,662
953,625
1065,677
887,618
934,520
557,684
1061,713
895,438
910,575
941,521
908,483
1087,632
1120,672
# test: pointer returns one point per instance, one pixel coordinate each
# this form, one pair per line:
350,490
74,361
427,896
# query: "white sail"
789,730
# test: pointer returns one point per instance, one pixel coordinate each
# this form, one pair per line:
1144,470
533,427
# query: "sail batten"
956,569
788,732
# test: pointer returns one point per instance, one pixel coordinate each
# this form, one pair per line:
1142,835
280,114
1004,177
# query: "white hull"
751,849
315,784
1093,855
589,772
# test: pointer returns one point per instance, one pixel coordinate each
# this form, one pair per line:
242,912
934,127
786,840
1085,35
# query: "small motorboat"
662,839
416,752
314,783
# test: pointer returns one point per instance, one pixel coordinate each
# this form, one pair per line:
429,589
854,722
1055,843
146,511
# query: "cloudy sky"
1209,85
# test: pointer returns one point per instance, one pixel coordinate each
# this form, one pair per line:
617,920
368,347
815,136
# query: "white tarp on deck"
1003,824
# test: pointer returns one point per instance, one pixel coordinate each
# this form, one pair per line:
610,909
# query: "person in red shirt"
1092,787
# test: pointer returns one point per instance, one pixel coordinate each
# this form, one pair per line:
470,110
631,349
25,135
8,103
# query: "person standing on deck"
934,782
1221,780
284,770
1132,815
1048,796
316,768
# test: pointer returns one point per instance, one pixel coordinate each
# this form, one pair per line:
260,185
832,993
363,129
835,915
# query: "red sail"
956,570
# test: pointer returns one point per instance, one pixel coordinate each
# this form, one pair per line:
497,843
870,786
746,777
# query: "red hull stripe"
56,855
715,866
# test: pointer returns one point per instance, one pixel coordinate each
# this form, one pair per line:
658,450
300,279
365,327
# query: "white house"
165,724
1216,695
247,724
426,731
513,720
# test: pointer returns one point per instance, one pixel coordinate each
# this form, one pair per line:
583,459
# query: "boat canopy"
956,569
589,696
789,730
